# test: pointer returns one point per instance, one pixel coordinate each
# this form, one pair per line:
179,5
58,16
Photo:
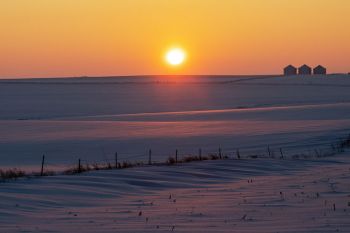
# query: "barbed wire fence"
287,150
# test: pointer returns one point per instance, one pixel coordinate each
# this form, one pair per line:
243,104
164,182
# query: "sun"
175,56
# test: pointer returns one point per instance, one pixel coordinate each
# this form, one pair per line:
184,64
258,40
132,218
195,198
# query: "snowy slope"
214,196
93,118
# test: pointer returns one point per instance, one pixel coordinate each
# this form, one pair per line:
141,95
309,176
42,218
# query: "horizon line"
155,75
137,75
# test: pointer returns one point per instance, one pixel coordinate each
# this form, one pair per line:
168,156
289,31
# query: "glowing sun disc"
175,56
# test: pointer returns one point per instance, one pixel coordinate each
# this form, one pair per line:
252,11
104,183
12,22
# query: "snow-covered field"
92,118
261,195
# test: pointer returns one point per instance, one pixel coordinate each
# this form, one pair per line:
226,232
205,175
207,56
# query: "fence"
274,151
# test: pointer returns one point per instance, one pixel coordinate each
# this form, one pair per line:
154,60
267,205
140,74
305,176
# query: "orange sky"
42,38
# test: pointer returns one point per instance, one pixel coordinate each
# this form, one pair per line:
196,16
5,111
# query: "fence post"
220,153
317,153
79,166
281,153
200,153
268,150
176,156
42,166
150,157
116,159
238,155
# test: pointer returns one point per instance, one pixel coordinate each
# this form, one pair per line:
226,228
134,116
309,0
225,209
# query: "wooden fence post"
176,156
79,166
42,166
220,153
316,153
268,150
200,153
116,159
150,157
238,154
281,153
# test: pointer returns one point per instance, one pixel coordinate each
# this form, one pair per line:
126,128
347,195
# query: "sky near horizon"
40,38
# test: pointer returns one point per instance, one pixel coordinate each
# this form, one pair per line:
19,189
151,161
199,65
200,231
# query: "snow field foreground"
263,195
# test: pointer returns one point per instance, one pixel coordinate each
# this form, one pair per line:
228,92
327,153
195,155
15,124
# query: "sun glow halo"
175,56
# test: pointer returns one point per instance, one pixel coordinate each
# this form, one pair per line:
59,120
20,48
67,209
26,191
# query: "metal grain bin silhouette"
304,70
290,70
320,70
